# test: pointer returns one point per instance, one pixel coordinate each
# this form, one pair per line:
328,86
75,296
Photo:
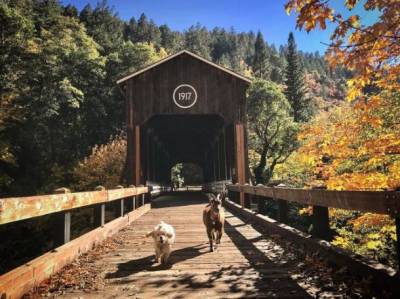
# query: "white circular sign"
185,96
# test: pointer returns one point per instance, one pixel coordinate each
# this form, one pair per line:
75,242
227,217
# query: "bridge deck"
245,265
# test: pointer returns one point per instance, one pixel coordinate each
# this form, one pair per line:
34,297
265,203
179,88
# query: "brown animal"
213,218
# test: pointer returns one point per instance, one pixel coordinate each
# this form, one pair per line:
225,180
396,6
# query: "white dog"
164,236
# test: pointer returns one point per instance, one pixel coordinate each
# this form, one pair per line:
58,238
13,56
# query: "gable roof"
190,54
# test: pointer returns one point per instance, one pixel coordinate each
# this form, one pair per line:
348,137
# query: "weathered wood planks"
382,202
19,208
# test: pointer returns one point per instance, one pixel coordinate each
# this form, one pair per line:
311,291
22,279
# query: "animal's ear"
150,234
169,235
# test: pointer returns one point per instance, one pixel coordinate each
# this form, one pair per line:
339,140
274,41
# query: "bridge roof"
245,79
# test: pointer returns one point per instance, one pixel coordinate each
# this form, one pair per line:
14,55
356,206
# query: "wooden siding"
218,92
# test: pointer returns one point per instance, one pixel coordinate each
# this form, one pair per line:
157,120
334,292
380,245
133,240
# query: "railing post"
397,222
282,211
133,199
260,204
63,223
320,220
99,210
260,201
247,199
120,204
142,197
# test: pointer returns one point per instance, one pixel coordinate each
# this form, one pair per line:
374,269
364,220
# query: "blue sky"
268,16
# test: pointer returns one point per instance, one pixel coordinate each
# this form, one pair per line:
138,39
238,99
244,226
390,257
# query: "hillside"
62,66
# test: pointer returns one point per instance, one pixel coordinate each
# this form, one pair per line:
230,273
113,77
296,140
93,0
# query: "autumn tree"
368,139
370,51
104,166
272,131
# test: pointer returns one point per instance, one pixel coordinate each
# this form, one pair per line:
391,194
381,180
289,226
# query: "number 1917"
185,96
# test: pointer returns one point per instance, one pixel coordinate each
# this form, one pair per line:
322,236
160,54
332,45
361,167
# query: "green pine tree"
295,86
260,59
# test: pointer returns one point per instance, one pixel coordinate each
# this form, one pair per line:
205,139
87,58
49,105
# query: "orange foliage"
368,220
352,151
104,166
362,141
371,52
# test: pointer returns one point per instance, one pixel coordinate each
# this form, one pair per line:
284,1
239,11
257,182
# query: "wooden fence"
20,280
380,202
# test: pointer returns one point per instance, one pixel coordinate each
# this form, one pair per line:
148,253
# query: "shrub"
104,166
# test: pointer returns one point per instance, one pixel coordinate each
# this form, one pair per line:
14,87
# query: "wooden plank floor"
240,268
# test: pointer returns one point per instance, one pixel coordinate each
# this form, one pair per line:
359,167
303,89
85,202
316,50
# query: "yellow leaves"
351,3
33,47
358,181
288,8
389,230
394,175
354,21
374,245
371,51
162,53
341,242
357,146
368,220
308,211
355,87
310,15
103,167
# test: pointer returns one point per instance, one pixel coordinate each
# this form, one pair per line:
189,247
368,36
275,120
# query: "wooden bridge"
185,109
259,257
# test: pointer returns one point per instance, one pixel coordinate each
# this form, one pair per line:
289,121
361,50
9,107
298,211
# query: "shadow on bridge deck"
240,268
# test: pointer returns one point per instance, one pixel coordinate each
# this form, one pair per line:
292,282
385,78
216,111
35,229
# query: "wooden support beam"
240,157
218,152
260,204
19,208
380,202
282,211
99,211
62,227
137,158
99,215
17,282
119,204
321,223
225,167
133,200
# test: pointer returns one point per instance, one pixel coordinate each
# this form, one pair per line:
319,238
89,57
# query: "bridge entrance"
199,139
185,108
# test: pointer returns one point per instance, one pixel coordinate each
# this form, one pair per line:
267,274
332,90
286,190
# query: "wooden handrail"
381,202
19,208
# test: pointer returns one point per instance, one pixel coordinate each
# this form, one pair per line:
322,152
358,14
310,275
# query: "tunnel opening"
187,176
196,142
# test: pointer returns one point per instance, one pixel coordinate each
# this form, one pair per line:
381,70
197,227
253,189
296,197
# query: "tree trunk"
259,170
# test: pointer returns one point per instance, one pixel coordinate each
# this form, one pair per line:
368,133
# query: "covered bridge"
185,108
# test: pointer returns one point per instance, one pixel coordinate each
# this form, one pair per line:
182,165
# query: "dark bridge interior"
171,139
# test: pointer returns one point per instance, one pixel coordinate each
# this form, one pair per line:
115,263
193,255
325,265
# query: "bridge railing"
380,202
217,186
131,203
156,189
